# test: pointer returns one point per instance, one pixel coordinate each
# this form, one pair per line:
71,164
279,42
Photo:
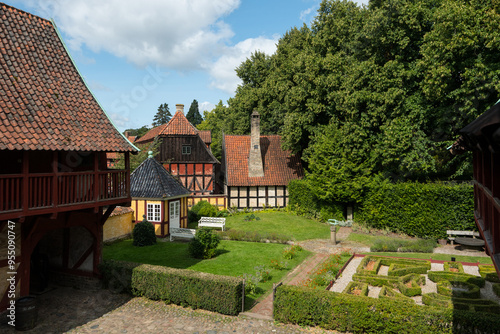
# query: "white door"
174,210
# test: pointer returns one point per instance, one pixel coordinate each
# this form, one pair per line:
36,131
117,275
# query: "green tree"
193,115
139,132
162,116
215,121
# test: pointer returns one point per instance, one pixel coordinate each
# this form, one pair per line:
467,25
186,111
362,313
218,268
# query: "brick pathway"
264,309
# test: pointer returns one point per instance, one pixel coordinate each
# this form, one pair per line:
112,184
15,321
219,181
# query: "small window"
154,212
186,149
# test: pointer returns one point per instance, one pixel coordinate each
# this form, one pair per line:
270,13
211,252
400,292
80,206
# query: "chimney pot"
179,107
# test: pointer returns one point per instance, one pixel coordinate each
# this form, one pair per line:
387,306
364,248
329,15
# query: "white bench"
212,222
452,234
184,233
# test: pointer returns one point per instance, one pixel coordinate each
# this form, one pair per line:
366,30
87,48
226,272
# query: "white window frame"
186,149
154,212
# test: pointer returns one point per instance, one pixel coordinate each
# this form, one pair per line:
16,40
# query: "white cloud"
206,106
223,70
180,34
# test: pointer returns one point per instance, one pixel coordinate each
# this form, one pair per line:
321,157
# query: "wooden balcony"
23,195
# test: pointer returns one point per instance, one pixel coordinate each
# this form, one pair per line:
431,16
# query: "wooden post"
25,187
127,177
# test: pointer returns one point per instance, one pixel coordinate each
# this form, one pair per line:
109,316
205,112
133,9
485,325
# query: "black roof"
484,132
151,180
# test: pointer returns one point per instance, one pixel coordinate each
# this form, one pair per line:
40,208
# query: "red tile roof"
178,125
44,102
279,166
206,136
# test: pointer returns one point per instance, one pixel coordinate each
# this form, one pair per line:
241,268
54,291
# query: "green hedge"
222,294
362,265
389,293
475,305
496,289
303,200
376,280
425,210
489,273
416,282
355,285
438,276
354,314
467,290
453,265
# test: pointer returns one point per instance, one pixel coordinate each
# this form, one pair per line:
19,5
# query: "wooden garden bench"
212,222
184,233
452,234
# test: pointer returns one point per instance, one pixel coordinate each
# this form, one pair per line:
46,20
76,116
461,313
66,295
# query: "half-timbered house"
54,183
185,153
257,170
482,137
158,197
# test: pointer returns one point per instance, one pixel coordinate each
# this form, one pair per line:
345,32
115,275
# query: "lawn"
235,258
298,228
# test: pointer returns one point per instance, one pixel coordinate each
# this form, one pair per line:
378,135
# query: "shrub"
455,267
477,305
144,234
289,252
387,292
201,209
186,287
354,314
458,289
356,288
496,289
438,276
422,210
489,273
204,245
376,280
254,236
414,282
278,265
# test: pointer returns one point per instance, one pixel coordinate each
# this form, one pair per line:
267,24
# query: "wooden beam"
84,256
106,215
25,191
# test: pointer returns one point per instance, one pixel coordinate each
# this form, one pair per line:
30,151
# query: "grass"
235,258
296,227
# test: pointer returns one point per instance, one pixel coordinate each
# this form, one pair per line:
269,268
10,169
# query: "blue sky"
136,55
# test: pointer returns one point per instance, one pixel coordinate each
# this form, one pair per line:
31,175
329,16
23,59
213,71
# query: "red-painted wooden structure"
185,153
55,189
482,137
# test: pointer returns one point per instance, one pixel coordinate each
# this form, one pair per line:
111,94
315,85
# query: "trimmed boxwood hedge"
445,288
222,294
387,292
489,273
456,265
353,285
376,280
475,305
438,276
416,282
424,210
355,314
367,259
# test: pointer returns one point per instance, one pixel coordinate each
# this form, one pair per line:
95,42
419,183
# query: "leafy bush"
489,273
251,217
144,234
204,245
458,289
376,280
408,246
355,314
185,287
304,201
496,289
438,276
387,292
415,281
422,210
201,209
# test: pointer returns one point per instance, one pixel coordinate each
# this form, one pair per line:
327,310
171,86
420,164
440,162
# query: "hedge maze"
403,279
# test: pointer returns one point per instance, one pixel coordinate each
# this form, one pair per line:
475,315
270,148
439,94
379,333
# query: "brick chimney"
255,166
179,107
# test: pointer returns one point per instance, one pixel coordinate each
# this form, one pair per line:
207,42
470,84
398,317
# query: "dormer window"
186,149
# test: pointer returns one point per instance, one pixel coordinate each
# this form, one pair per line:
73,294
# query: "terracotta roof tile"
44,103
279,166
178,125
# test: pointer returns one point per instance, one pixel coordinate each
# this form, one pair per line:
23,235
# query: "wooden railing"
61,189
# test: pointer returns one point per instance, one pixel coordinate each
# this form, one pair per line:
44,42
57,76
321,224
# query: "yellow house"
158,197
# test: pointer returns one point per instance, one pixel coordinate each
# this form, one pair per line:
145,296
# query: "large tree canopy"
378,91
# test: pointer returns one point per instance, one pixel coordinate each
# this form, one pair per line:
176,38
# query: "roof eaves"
88,88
